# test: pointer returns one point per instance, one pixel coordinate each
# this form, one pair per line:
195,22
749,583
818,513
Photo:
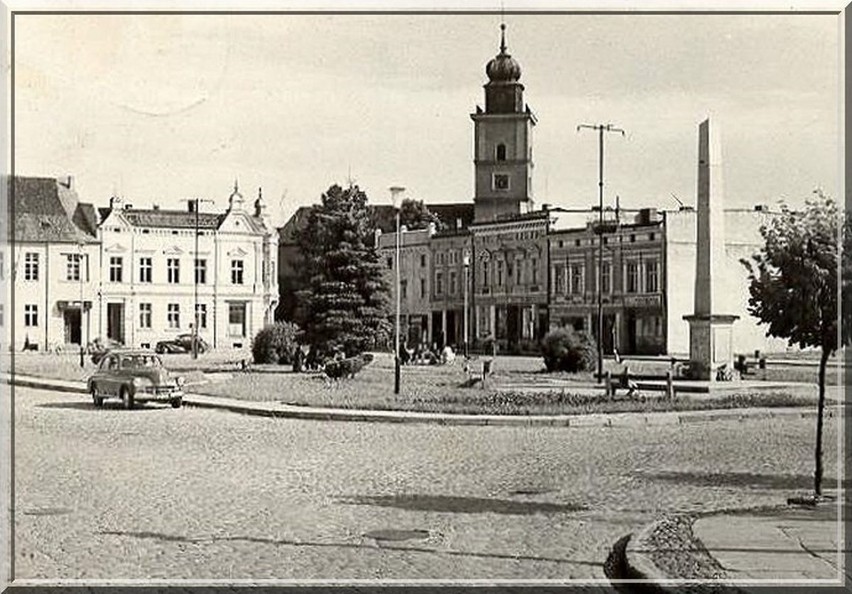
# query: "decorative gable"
115,248
237,252
173,251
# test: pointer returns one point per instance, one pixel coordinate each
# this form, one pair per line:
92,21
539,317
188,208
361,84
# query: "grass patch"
442,392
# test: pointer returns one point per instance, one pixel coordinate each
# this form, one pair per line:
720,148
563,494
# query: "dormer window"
501,152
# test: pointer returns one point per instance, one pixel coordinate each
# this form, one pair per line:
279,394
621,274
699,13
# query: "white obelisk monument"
710,337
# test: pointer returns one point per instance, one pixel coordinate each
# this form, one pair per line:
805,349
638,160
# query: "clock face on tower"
501,181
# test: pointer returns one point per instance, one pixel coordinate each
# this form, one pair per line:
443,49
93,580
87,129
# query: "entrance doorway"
73,326
115,322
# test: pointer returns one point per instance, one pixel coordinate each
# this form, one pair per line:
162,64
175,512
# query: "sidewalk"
278,409
785,545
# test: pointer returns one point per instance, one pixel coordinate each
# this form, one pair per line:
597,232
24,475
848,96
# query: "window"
559,281
501,181
577,279
403,289
146,270
201,314
390,263
173,270
453,283
72,266
2,316
439,283
632,238
632,277
652,236
237,319
422,287
173,315
145,315
651,277
499,273
30,266
201,271
501,152
237,272
115,269
485,274
606,278
2,265
518,273
422,260
534,265
30,316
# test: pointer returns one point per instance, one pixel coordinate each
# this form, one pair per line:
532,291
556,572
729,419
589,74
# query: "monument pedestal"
710,344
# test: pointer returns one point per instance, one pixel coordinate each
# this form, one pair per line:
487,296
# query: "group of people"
313,360
423,354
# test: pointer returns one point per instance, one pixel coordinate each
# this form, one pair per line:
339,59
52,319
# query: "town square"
393,297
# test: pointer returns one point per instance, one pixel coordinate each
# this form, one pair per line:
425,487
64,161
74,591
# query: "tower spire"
502,38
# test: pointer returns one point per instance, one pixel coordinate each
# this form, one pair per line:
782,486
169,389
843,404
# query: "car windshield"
140,361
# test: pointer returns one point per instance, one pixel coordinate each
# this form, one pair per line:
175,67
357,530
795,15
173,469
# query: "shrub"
566,349
275,343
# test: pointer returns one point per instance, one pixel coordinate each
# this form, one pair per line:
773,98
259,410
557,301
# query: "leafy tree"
415,215
793,286
344,302
566,349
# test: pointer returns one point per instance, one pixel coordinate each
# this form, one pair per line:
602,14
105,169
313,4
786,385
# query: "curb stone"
608,420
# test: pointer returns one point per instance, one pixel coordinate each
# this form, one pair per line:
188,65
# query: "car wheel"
176,402
126,398
98,400
160,349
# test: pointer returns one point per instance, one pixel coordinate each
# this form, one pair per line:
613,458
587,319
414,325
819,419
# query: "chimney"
68,181
545,207
191,205
156,207
112,202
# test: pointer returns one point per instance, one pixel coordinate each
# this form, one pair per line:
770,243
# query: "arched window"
501,152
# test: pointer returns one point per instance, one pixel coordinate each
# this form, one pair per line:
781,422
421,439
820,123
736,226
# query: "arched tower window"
501,152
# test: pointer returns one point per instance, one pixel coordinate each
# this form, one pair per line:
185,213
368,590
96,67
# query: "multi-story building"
526,271
163,271
52,263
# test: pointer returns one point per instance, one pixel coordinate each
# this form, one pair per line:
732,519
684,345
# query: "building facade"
160,277
524,271
51,266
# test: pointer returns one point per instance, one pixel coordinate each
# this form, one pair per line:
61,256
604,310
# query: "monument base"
710,344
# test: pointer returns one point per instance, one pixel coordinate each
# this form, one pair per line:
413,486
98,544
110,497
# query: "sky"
160,108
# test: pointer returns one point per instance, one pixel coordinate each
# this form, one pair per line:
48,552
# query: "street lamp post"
601,128
466,260
395,192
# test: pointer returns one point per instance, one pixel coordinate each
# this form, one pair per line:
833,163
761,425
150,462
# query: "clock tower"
502,153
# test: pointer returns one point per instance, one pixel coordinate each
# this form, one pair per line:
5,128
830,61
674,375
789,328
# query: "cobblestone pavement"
202,494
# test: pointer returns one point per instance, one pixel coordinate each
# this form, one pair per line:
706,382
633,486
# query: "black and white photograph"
374,295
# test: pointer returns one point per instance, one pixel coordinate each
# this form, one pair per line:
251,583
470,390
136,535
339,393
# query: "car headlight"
141,381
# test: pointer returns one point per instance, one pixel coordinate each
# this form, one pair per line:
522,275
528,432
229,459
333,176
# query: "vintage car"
181,344
134,376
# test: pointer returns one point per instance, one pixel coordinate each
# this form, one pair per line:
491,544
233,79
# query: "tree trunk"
823,361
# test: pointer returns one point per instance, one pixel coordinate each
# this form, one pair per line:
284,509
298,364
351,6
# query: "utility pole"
601,128
395,192
196,206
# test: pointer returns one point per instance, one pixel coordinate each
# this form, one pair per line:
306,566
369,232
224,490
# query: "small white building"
50,266
158,274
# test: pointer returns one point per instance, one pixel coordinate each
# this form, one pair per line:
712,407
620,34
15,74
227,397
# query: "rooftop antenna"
680,204
351,180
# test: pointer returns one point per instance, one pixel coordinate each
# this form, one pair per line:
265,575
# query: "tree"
793,286
415,215
344,302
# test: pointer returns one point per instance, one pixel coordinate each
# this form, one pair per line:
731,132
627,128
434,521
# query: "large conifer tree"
345,299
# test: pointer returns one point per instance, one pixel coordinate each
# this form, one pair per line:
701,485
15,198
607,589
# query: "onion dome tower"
503,142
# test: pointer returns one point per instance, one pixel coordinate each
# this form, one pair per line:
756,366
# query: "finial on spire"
503,38
236,185
259,193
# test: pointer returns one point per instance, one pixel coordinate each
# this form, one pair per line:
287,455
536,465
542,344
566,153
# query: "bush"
275,343
566,349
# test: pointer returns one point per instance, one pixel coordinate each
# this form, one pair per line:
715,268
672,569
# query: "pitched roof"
173,219
44,210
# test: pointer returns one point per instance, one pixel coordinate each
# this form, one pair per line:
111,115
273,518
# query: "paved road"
190,493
